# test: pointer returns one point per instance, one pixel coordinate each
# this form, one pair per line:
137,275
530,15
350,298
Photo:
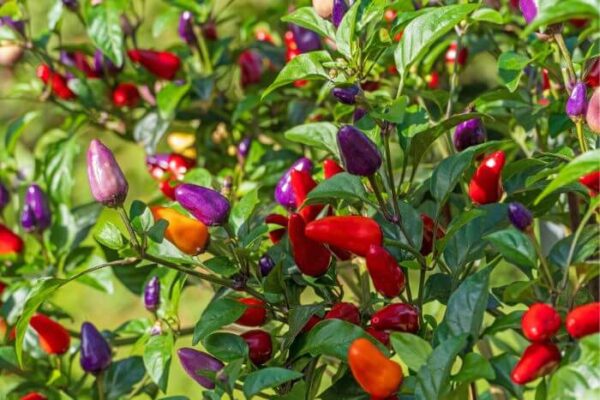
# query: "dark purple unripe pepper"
359,154
36,214
206,205
152,294
359,112
71,4
346,94
266,265
577,102
339,10
4,196
519,216
194,361
186,28
469,133
95,352
284,194
306,40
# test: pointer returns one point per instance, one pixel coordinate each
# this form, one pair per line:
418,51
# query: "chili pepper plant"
377,199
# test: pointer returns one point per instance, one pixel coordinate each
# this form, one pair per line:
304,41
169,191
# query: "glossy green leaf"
169,97
511,66
149,130
307,17
122,376
555,11
342,186
226,346
110,236
514,246
488,15
104,28
218,313
243,209
475,367
266,378
157,358
345,34
412,350
320,135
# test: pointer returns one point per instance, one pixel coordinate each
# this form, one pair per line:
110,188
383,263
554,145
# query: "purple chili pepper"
194,361
71,4
4,196
186,28
36,214
160,160
152,294
16,25
206,205
244,147
266,265
469,133
519,216
339,10
359,112
306,40
107,182
359,154
284,194
577,102
529,9
346,94
95,352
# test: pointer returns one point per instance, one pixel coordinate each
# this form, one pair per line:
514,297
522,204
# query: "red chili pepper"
34,396
57,82
259,345
433,80
452,56
125,95
168,189
353,233
382,336
546,84
314,319
277,219
10,242
82,64
540,322
486,184
160,63
397,317
43,72
427,243
374,372
592,74
255,313
179,165
302,184
331,168
539,359
312,258
592,182
344,311
387,276
54,339
583,320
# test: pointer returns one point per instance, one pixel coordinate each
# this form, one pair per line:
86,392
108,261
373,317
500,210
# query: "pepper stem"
100,385
580,136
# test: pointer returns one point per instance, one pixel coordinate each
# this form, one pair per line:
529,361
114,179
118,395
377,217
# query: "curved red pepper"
10,242
387,276
382,336
344,311
486,185
302,184
260,346
54,339
331,168
353,233
583,320
277,219
160,63
255,313
397,317
592,182
427,243
539,359
540,322
312,258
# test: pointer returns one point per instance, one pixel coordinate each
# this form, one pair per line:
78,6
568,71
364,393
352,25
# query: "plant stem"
580,135
132,236
100,385
379,197
544,263
560,41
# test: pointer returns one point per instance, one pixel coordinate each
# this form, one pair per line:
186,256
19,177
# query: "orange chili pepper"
187,234
374,372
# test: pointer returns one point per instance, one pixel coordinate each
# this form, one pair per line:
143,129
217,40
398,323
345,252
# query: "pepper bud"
152,294
577,102
486,184
469,133
539,359
126,95
284,193
593,112
374,372
583,320
346,94
266,265
10,242
529,9
95,352
194,361
344,311
54,338
353,233
186,28
4,197
107,182
338,11
359,154
387,276
187,234
592,182
159,63
243,148
255,313
206,205
397,317
36,214
519,216
540,322
260,346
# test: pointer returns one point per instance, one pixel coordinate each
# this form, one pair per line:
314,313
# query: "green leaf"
218,313
504,322
104,28
15,129
226,346
298,318
307,66
575,382
411,349
110,236
578,167
221,265
157,358
426,29
555,11
122,376
585,247
141,216
58,169
307,17
243,209
268,378
320,135
514,246
169,97
448,173
503,365
345,34
511,66
488,15
55,14
149,130
475,367
433,377
342,186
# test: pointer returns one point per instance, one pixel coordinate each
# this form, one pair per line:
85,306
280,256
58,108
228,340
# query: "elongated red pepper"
10,242
397,317
540,322
387,276
486,185
255,314
353,233
584,320
592,182
54,339
427,243
331,168
539,359
374,372
277,219
57,82
160,63
344,311
312,258
302,184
